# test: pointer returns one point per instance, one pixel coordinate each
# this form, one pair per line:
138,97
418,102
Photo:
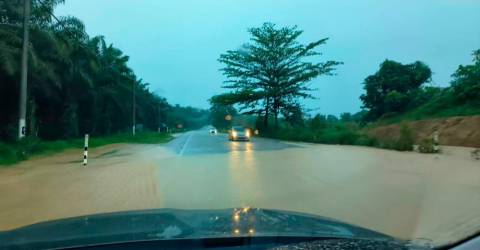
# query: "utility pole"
23,78
133,107
159,119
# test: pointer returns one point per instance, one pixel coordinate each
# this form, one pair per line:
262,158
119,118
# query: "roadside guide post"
436,147
85,151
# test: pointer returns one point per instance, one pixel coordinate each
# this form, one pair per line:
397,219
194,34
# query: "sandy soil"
404,194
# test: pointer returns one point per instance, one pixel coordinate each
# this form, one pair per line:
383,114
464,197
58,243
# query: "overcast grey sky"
175,44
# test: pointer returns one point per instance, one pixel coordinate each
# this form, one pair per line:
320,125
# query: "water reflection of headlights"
236,217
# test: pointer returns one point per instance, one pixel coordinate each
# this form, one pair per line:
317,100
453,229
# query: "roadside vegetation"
397,106
330,130
76,85
33,146
461,98
268,77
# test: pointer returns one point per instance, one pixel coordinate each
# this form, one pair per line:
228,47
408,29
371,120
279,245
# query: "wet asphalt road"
396,193
202,142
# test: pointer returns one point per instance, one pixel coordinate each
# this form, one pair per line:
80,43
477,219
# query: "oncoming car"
239,133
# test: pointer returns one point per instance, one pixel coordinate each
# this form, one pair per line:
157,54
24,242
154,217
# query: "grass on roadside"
332,134
442,106
343,134
12,153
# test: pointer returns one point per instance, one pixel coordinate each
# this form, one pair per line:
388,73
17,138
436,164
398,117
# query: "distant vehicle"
239,133
213,131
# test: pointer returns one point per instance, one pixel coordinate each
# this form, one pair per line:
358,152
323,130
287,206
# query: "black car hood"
177,224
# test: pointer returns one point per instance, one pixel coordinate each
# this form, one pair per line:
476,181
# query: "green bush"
331,133
365,140
440,103
342,133
406,140
337,135
427,146
8,154
28,146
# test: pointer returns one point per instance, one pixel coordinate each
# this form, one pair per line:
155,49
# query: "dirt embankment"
453,131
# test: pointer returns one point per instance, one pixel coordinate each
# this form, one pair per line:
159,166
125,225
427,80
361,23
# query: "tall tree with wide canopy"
272,72
392,87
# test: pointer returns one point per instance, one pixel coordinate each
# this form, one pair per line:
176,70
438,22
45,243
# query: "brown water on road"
407,195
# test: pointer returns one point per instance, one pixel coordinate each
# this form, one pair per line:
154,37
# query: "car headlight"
247,133
234,133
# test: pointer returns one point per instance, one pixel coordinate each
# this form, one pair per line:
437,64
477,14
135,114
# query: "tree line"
76,84
272,73
397,88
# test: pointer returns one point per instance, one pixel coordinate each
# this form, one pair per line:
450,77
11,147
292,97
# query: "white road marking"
185,145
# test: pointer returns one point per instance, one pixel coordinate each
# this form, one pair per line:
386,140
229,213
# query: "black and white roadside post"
85,151
436,146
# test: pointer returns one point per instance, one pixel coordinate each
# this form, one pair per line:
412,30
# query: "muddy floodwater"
403,194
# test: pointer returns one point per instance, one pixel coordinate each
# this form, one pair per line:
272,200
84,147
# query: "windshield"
362,112
238,128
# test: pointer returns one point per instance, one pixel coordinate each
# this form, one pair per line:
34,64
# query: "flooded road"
404,194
